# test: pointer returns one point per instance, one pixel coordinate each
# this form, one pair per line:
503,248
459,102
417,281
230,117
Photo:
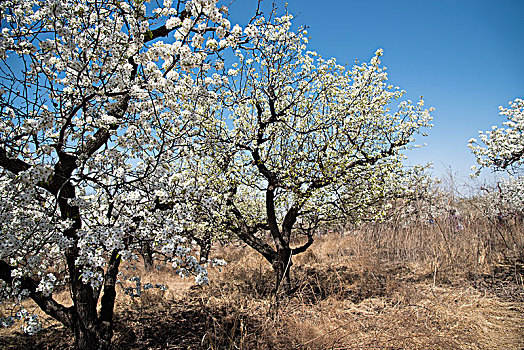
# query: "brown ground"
347,297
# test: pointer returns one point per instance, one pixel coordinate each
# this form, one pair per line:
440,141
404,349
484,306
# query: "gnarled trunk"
92,329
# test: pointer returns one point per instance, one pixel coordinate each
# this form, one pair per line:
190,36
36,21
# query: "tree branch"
108,299
247,234
304,247
13,165
289,221
46,303
163,31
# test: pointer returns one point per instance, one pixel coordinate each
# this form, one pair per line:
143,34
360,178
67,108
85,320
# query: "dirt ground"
341,300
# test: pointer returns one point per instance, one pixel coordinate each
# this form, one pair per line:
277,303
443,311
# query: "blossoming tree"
97,98
502,149
304,140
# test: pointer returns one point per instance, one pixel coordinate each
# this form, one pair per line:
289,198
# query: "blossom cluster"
324,134
138,288
113,139
30,322
92,126
502,149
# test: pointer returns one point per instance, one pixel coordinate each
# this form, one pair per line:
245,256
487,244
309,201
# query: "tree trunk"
205,248
282,266
147,255
89,337
92,330
89,331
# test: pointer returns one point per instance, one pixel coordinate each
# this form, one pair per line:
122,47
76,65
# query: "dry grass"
375,288
354,300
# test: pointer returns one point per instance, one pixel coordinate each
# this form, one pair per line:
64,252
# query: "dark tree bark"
91,329
147,256
280,257
282,266
205,242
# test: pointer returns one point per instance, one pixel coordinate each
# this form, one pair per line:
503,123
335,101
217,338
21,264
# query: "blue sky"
466,57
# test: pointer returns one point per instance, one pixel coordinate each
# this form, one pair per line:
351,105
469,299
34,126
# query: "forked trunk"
92,329
89,332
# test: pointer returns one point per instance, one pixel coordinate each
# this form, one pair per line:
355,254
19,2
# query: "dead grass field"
357,291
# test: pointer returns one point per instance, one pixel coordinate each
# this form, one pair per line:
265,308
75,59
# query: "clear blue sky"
466,57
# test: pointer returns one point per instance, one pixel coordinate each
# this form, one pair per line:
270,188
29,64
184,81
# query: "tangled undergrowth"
345,297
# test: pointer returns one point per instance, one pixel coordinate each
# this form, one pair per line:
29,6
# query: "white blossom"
91,129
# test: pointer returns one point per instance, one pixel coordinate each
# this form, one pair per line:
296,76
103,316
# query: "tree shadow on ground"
51,337
165,326
168,325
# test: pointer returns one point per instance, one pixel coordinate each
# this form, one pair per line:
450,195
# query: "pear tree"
97,98
300,140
